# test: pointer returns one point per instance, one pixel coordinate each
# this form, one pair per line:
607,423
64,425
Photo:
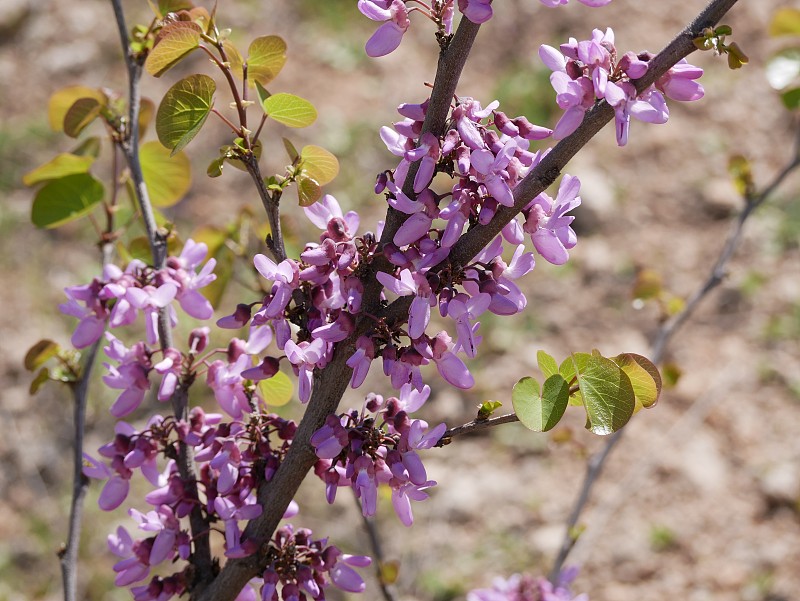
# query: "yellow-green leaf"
62,165
644,377
61,101
40,353
540,412
318,163
547,365
786,21
290,110
607,393
234,57
174,42
277,390
65,199
183,111
265,59
90,147
308,191
82,112
173,6
41,377
168,176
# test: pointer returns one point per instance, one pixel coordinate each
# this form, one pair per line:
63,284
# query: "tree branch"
129,144
662,339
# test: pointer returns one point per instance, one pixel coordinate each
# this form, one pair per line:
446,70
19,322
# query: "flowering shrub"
358,294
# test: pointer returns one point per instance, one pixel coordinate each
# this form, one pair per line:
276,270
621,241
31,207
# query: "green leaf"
786,21
139,248
40,353
487,408
290,110
66,199
791,99
644,377
62,165
41,377
183,111
82,112
547,365
174,42
567,371
90,147
540,412
308,190
318,163
262,93
277,390
63,99
214,168
168,176
290,149
607,393
173,6
265,59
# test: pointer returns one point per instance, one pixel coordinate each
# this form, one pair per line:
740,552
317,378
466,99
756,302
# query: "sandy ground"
699,501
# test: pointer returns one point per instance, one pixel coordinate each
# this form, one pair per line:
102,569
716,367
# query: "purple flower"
305,356
548,223
389,35
477,11
285,278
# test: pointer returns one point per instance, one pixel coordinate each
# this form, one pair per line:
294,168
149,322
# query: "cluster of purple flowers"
586,71
378,445
526,588
303,567
232,459
116,298
394,16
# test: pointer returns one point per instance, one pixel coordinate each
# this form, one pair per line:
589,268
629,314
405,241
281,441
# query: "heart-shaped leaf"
607,393
66,199
168,176
82,112
540,412
644,377
62,165
308,191
265,59
277,390
174,42
63,99
318,163
290,110
184,110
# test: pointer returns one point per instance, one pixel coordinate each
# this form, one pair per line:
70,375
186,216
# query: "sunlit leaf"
173,6
277,390
82,112
540,412
265,59
308,191
40,353
183,111
607,393
320,164
547,365
175,41
785,21
290,110
644,377
168,176
63,99
234,57
567,371
62,165
65,199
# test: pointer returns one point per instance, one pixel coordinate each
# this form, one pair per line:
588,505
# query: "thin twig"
662,339
377,552
129,144
80,483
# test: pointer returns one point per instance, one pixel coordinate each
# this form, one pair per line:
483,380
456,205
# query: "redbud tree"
475,197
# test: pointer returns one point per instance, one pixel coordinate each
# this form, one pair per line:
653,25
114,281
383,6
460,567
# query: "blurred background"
700,501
